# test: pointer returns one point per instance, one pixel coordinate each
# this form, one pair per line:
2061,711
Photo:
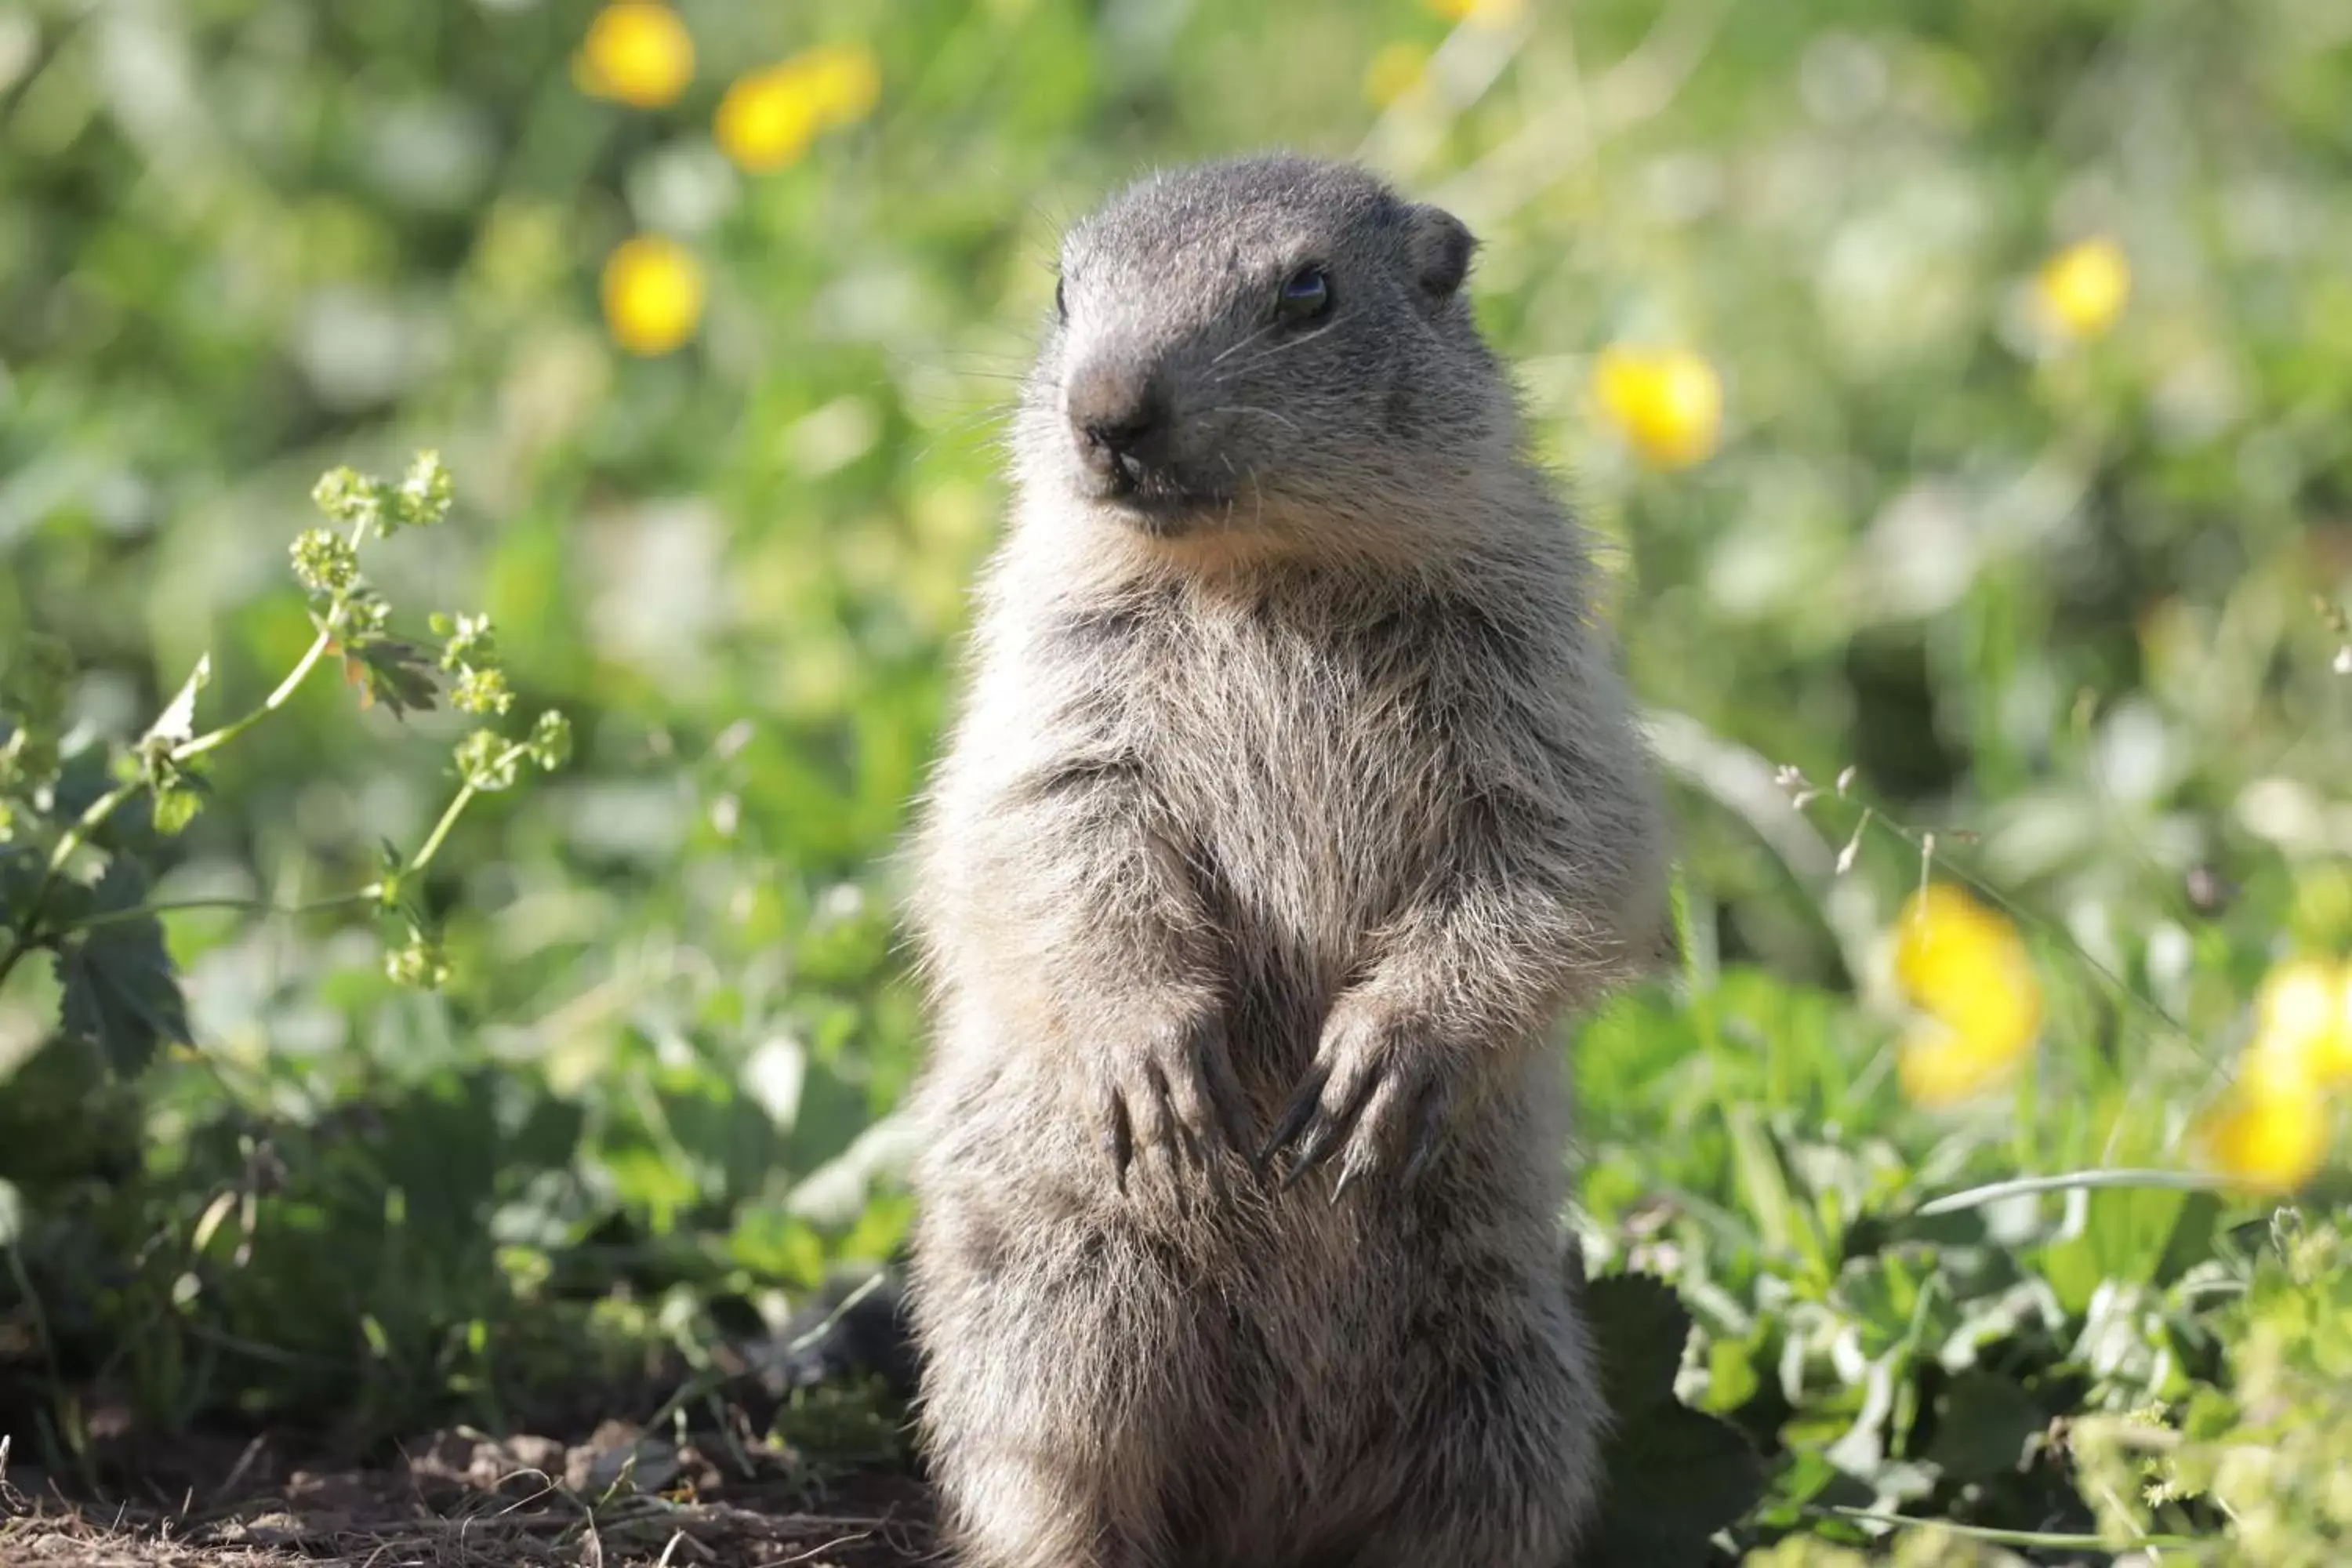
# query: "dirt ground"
461,1499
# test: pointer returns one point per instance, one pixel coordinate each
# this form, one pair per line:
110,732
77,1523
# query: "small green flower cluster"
402,675
417,962
326,564
366,505
347,612
470,652
489,762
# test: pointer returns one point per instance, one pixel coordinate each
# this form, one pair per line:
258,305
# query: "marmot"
1293,799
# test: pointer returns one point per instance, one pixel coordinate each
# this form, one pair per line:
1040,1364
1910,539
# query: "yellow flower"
1486,13
2266,1136
1394,72
1667,403
843,80
2082,289
769,118
1964,968
766,121
2331,1056
653,294
1939,1067
2302,1024
638,52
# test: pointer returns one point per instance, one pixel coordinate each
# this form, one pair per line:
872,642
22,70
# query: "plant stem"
432,845
200,745
1698,975
168,906
74,838
2026,1186
464,798
2059,1539
418,862
107,805
31,935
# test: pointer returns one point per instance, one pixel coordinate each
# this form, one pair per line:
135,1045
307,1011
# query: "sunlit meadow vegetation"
1964,394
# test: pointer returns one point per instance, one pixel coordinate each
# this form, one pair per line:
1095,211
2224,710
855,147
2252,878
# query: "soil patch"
461,1499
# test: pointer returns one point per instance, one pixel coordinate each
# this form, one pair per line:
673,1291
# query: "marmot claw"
1376,1096
1170,1089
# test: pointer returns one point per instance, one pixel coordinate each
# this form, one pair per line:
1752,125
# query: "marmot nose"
1115,411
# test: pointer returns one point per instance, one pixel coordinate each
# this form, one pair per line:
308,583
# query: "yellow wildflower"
1394,72
1484,13
1938,1067
1964,966
766,121
1668,404
2268,1134
653,294
769,118
2302,1024
843,79
638,52
2082,289
2331,1054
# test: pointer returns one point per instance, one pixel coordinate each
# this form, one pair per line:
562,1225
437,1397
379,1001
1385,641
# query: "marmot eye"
1306,296
1061,302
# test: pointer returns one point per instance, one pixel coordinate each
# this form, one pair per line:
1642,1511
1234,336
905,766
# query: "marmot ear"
1440,246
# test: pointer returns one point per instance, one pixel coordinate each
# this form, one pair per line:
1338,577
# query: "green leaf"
120,993
397,674
2191,1241
1983,1423
174,808
19,874
35,675
1674,1480
1641,1326
1675,1475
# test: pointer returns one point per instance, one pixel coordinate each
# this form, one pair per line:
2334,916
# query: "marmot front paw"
1378,1095
1168,1088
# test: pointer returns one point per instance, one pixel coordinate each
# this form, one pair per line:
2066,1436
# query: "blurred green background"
2045,581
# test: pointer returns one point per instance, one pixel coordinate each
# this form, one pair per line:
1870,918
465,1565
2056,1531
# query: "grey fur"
1293,798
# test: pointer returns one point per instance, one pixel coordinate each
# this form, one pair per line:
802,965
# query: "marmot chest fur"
1293,801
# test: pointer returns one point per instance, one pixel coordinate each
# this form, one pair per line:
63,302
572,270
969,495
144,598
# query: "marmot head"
1274,345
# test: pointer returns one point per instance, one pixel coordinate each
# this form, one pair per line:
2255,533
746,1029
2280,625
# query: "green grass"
2069,611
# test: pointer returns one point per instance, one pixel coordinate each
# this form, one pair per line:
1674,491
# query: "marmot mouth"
1160,513
1151,498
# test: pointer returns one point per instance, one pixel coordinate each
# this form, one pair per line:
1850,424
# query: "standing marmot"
1293,799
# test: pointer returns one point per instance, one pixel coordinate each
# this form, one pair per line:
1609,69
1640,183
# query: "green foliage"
119,993
364,1087
118,990
2267,1447
1675,1476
